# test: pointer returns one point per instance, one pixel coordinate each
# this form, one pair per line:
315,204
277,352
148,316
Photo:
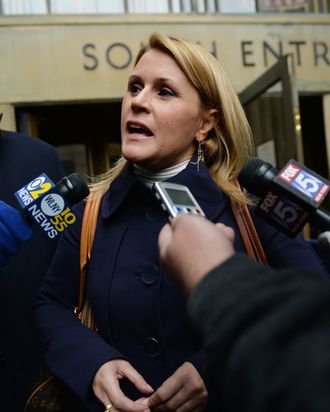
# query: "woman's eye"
134,88
165,91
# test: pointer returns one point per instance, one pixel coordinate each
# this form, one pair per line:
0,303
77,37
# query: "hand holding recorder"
190,247
185,242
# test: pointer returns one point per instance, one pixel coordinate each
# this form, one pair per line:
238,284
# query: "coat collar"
211,199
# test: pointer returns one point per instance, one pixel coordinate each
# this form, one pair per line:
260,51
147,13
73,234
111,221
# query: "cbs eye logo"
38,186
61,217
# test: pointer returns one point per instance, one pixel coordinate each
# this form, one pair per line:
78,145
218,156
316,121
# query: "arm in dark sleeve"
266,335
73,352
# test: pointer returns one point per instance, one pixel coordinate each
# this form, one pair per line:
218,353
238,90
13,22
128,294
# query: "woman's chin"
135,155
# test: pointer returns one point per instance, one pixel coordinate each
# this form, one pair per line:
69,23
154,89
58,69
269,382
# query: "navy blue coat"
22,158
140,313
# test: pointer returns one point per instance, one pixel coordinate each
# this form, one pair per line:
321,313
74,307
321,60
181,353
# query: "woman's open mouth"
137,128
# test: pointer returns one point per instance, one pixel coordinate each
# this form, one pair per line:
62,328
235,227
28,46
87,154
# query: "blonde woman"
181,121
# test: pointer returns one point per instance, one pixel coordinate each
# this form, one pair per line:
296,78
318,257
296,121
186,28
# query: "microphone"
324,239
289,197
49,205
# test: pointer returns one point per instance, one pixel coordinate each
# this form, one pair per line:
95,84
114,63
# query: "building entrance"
87,136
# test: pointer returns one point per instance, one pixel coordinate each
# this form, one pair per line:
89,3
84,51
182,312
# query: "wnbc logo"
46,206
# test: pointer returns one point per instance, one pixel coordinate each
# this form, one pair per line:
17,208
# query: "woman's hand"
107,390
181,392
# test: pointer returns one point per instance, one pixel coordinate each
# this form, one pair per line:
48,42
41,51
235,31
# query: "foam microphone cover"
324,239
73,188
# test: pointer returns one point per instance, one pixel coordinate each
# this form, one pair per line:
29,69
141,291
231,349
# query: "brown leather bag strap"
88,229
249,235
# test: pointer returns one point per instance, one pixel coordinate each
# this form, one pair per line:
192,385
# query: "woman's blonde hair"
229,144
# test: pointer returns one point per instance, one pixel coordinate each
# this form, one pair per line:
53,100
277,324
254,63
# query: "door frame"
282,71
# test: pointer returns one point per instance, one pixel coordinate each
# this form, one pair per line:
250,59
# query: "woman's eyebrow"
134,77
164,79
156,80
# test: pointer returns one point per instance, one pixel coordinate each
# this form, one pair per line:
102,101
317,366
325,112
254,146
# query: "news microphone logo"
282,212
42,201
27,194
292,196
306,183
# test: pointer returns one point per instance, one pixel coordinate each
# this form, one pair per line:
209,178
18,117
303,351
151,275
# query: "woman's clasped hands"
107,390
184,391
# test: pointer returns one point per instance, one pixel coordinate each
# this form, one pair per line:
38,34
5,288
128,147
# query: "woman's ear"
209,120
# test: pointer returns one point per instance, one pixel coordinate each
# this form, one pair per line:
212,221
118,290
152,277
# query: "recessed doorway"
86,136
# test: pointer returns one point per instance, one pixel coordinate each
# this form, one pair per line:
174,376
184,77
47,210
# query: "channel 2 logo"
305,181
37,187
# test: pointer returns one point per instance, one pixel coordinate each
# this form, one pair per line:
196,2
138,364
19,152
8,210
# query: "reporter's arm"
266,337
191,246
266,332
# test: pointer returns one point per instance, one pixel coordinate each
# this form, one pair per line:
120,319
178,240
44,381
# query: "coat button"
154,213
150,274
152,347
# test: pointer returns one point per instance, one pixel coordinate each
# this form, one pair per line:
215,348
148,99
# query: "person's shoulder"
22,139
24,157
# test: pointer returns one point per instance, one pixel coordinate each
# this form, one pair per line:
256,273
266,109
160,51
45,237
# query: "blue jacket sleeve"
14,230
74,353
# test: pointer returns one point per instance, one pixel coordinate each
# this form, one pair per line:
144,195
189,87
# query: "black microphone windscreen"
256,176
73,188
324,239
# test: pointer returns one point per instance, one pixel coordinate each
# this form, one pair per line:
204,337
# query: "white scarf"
150,177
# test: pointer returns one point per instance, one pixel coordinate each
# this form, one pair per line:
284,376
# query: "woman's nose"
141,101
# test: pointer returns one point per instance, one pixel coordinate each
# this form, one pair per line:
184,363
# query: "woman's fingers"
107,389
137,380
183,391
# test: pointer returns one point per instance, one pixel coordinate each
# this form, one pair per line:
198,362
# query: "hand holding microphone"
49,205
44,204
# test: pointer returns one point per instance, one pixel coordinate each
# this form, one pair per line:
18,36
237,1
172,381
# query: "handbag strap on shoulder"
248,232
88,229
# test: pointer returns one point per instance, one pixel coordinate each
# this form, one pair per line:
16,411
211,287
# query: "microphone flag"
46,206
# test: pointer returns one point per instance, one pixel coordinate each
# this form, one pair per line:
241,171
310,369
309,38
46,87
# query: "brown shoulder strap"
249,235
88,229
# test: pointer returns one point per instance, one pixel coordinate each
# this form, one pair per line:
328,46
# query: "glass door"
272,106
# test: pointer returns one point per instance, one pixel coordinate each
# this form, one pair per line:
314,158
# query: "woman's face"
161,113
